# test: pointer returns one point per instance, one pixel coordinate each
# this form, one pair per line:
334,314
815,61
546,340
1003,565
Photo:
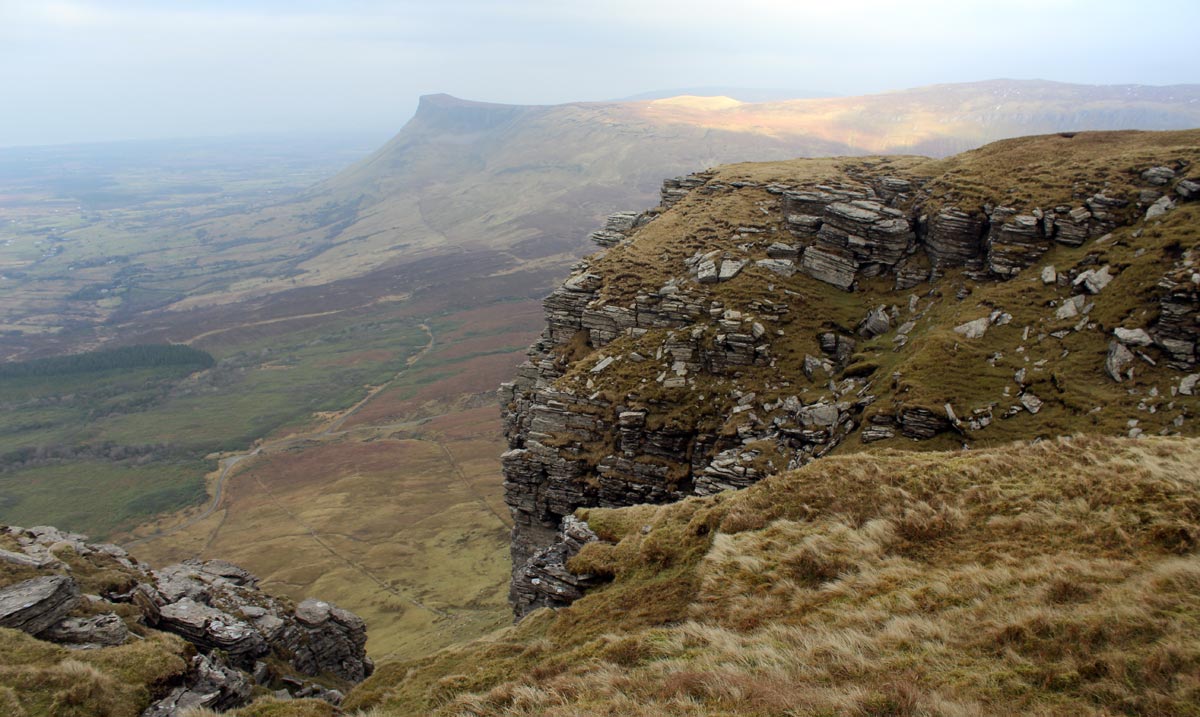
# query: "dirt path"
295,317
265,322
336,423
329,430
462,476
226,465
366,572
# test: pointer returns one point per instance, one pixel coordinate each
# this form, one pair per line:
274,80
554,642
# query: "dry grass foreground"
1058,578
42,678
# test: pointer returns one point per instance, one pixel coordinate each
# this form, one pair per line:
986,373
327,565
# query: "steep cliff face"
765,315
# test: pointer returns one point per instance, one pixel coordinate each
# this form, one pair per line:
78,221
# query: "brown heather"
1056,578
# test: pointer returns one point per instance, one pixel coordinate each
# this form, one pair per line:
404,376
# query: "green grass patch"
98,497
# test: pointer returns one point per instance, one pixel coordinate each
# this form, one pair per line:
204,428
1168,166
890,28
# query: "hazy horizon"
91,71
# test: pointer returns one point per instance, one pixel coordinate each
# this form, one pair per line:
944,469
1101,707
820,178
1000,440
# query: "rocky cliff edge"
87,629
766,315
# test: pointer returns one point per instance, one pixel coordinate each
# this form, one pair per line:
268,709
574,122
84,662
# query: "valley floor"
392,508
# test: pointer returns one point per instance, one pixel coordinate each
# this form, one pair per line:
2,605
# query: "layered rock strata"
578,444
545,580
235,628
37,604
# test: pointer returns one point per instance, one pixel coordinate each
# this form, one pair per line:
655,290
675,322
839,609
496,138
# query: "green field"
94,451
97,497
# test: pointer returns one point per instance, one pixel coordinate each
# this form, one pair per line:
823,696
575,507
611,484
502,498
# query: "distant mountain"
514,185
530,180
742,94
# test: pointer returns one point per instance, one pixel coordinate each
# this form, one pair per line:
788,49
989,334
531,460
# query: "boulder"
1188,190
783,267
1158,176
1133,337
830,266
36,604
1160,207
820,415
974,329
210,684
1094,280
779,250
27,561
730,268
870,434
603,363
99,630
1117,360
876,323
1070,308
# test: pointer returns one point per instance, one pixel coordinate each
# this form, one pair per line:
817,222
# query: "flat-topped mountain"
523,183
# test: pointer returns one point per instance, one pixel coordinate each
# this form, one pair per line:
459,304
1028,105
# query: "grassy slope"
937,366
1059,578
40,678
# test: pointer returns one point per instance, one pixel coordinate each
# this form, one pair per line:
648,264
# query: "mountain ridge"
700,351
829,336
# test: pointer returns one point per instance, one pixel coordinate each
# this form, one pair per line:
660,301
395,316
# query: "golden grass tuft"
1019,579
40,678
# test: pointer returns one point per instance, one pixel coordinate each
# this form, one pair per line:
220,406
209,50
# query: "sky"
99,70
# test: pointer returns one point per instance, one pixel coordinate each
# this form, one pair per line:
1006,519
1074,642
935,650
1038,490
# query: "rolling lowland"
429,414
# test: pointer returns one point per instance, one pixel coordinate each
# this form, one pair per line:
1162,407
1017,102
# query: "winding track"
228,463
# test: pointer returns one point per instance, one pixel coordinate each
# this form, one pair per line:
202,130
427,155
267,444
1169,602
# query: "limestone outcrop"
37,604
210,684
640,392
236,629
619,226
545,580
216,605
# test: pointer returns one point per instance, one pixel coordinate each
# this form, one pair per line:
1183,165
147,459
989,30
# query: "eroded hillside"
1059,578
959,397
1029,308
769,314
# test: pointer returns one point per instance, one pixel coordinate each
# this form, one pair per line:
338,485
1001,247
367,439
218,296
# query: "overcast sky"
91,70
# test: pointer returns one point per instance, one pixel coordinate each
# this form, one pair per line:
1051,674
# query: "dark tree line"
38,456
124,357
